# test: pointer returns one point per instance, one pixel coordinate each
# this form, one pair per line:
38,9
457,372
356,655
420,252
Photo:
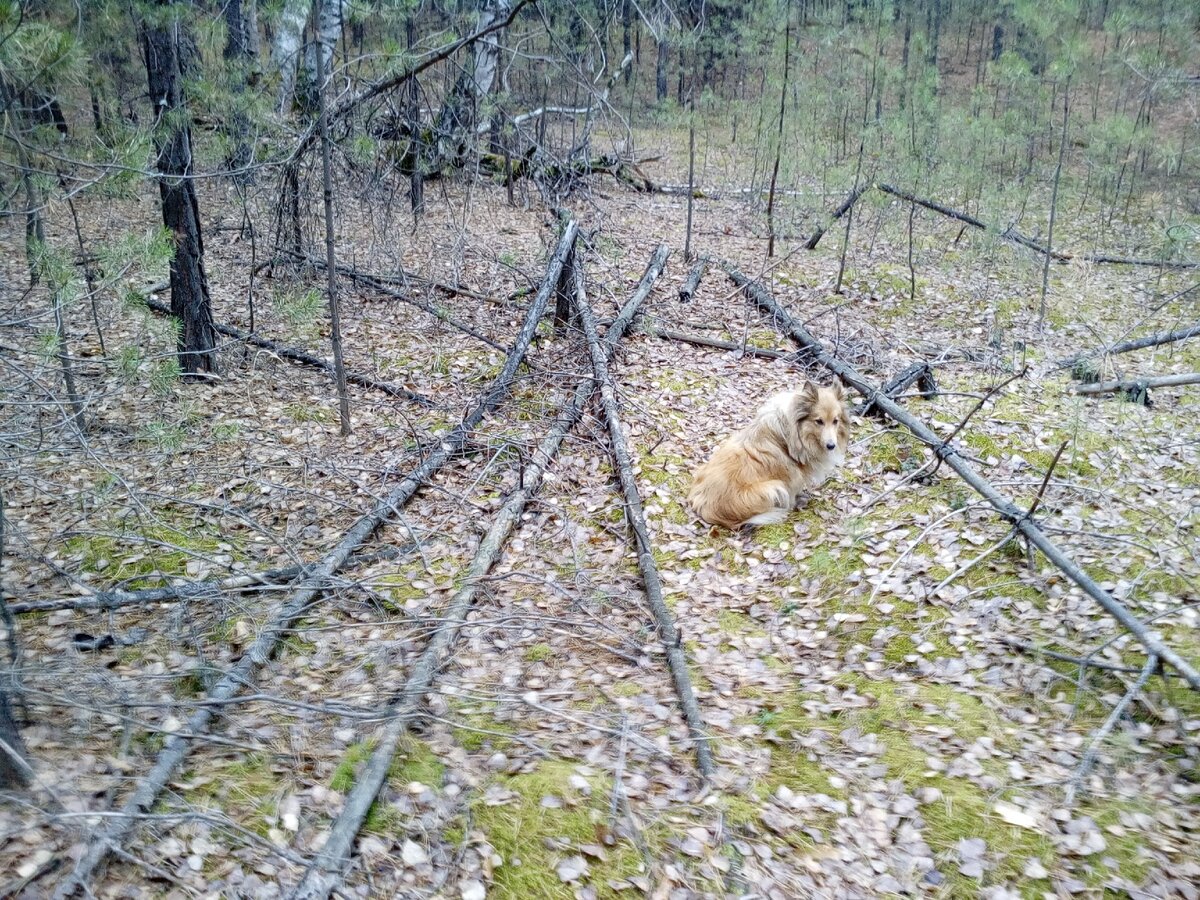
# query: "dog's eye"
820,421
835,421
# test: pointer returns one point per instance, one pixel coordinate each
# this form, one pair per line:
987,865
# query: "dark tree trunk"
660,70
241,52
626,35
15,771
416,178
997,41
190,302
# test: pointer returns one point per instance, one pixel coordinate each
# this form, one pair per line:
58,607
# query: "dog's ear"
838,388
808,393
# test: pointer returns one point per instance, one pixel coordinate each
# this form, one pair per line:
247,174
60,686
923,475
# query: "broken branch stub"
947,454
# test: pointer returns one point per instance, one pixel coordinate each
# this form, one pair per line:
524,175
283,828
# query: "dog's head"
822,419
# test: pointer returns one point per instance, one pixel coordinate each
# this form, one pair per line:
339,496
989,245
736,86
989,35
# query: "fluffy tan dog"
794,443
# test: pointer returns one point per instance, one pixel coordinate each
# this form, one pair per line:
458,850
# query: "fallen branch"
1150,340
672,640
1011,234
851,199
949,455
1089,758
106,601
328,869
307,591
1138,389
717,344
380,284
1082,662
299,356
919,373
1008,234
693,280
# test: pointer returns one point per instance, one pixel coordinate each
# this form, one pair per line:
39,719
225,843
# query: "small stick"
1089,758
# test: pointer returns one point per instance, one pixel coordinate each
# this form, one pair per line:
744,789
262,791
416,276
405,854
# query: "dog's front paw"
801,500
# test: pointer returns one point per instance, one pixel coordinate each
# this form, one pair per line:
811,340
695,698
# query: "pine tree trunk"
190,302
328,16
241,52
416,178
660,70
626,34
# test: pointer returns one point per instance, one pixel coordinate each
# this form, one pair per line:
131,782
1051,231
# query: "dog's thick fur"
794,443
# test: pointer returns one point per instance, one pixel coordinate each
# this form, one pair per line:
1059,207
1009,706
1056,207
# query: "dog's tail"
764,503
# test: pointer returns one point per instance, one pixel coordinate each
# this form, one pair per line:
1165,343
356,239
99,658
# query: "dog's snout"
831,445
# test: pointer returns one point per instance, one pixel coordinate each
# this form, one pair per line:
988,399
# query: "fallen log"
298,356
950,456
104,840
843,208
1137,389
672,640
1150,340
919,373
693,280
328,869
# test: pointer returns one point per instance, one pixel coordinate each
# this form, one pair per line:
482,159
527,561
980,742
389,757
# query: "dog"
757,476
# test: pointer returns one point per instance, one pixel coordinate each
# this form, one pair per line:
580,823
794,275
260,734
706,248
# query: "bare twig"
1089,758
1150,340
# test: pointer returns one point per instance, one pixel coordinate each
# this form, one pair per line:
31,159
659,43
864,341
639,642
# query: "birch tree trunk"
318,55
285,50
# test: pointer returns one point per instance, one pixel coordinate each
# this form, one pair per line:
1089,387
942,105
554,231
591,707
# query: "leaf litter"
873,737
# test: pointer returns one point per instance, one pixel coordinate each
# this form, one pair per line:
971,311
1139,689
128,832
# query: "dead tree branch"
298,356
672,640
328,869
950,456
700,340
307,591
1137,389
843,208
1089,758
1150,340
919,373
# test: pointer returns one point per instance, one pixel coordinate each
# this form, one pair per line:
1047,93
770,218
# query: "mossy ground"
524,831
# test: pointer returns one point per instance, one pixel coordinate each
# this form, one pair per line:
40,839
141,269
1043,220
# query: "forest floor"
873,736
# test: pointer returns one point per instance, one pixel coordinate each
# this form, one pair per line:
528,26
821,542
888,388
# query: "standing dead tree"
327,871
668,633
242,674
1021,519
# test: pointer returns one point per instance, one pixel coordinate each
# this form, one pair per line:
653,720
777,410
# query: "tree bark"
843,208
787,54
190,302
323,55
285,50
327,18
241,52
660,66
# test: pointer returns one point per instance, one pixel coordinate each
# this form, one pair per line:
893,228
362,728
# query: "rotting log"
668,633
281,618
693,280
919,373
1137,389
945,452
843,208
328,869
1150,340
298,356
